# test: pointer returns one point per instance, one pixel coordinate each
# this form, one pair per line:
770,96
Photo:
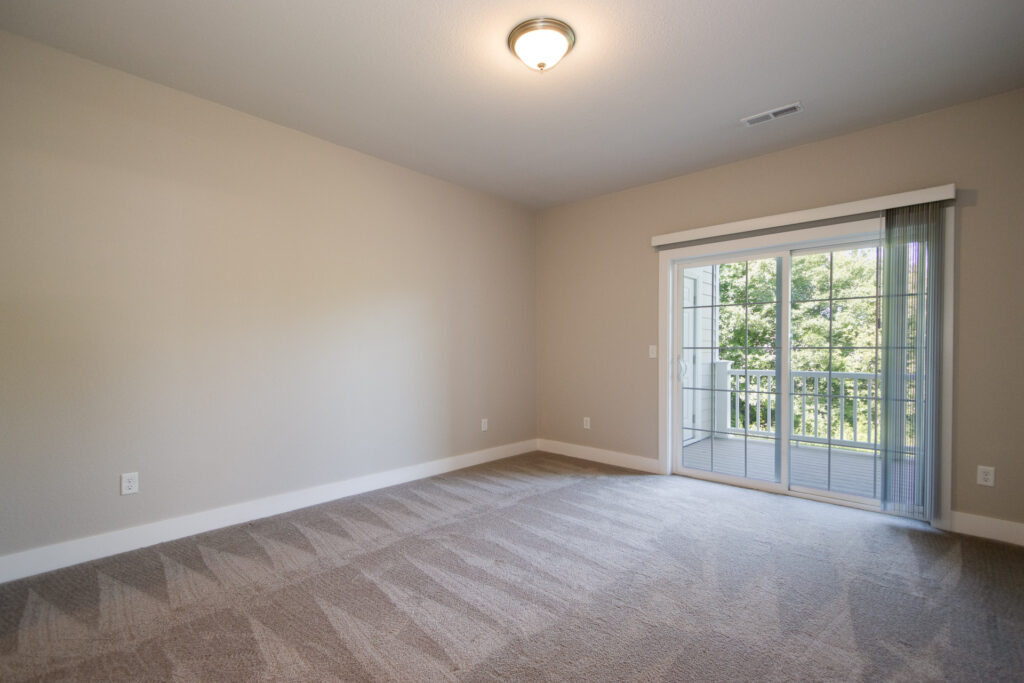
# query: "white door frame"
782,412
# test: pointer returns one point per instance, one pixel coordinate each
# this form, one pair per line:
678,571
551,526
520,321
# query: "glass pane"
762,328
700,286
810,417
762,373
729,454
697,451
862,362
731,322
803,384
809,324
809,361
698,329
761,458
808,465
763,381
853,410
761,411
762,360
762,280
854,322
862,416
809,277
716,452
853,471
699,370
837,419
705,410
732,283
729,369
854,272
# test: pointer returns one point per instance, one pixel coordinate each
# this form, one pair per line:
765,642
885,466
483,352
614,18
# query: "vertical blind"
911,356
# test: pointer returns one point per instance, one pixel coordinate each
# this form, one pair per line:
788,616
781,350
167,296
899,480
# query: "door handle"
681,371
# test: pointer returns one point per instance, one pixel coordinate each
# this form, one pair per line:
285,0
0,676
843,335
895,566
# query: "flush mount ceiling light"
541,43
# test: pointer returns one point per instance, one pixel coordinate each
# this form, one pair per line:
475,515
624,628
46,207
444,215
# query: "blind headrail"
822,213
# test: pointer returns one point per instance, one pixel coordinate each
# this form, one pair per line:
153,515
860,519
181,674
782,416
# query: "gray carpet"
534,568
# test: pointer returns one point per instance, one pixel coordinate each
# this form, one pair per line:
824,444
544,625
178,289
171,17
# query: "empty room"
661,340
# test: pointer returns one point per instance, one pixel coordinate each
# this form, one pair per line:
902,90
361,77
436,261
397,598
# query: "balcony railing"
749,406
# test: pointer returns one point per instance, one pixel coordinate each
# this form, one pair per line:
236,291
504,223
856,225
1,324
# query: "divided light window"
729,367
778,363
834,370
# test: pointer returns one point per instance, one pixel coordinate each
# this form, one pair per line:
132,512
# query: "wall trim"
986,527
46,558
605,457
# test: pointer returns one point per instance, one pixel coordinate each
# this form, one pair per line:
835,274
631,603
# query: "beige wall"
235,309
598,279
231,308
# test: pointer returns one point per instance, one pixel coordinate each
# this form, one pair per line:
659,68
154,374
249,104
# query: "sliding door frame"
782,412
735,246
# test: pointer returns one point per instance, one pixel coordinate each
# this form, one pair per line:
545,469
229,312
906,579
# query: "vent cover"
772,114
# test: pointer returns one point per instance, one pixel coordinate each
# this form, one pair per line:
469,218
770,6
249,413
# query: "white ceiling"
653,88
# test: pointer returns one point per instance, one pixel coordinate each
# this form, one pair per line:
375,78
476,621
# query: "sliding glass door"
834,370
814,360
776,368
728,369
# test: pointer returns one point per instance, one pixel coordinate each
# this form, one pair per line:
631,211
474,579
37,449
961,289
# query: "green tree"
833,323
833,304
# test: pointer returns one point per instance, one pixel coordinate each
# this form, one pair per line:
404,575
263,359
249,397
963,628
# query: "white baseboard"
46,558
632,462
960,522
987,527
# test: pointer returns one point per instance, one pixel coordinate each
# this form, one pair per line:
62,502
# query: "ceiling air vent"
778,113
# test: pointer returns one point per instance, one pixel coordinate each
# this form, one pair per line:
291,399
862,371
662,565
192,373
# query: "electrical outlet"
483,425
652,351
586,423
986,476
129,483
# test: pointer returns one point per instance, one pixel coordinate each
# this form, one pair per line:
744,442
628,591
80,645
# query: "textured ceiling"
653,88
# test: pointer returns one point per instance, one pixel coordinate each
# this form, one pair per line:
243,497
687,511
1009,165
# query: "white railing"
750,406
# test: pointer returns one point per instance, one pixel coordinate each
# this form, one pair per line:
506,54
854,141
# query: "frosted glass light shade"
541,43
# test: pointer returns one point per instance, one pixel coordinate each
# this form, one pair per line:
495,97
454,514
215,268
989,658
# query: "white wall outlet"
986,476
483,425
652,351
129,483
586,423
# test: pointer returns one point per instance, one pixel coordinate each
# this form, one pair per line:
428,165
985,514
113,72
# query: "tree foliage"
833,304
